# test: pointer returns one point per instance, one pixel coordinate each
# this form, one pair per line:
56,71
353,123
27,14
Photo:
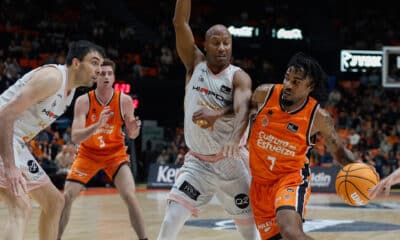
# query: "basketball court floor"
100,214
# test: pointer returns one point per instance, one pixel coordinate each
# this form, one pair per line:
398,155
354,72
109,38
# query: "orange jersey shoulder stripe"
279,141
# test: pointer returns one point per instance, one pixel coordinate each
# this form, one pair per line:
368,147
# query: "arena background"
139,36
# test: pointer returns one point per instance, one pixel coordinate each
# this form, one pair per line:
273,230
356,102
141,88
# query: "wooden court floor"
100,214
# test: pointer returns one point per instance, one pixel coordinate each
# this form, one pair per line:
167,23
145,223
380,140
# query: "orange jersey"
109,140
279,141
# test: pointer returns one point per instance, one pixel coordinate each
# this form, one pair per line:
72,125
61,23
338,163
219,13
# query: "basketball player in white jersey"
27,107
216,115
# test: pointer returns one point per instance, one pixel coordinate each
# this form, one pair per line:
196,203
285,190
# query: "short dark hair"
109,62
80,49
312,69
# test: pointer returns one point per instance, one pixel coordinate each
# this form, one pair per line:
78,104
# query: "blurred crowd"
139,36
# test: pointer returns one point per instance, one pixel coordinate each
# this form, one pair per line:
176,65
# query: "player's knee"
69,197
59,201
21,208
128,195
55,204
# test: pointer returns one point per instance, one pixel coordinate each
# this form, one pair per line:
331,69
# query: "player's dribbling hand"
17,180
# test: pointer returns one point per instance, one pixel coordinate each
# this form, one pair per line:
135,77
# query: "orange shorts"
84,168
291,191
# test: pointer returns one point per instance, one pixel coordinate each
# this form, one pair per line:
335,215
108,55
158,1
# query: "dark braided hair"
314,71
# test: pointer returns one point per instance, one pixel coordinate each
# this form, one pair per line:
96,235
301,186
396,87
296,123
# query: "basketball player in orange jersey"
216,105
97,126
286,119
33,103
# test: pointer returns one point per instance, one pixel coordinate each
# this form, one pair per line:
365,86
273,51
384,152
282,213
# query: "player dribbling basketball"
287,118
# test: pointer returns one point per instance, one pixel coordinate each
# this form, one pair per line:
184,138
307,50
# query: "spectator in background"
393,163
379,163
166,61
354,138
67,135
163,157
65,158
343,121
180,157
367,158
137,71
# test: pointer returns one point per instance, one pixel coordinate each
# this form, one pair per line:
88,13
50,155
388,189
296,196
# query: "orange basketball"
354,181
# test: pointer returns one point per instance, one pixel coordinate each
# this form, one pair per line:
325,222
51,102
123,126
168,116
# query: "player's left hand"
205,117
134,124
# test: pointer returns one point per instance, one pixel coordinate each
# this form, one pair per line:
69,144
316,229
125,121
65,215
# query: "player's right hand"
17,180
105,115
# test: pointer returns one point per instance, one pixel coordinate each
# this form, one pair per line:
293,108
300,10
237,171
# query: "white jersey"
206,89
41,114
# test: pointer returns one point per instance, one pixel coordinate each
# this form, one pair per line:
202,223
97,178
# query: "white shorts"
228,179
27,163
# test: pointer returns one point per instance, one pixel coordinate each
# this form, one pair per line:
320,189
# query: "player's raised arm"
188,52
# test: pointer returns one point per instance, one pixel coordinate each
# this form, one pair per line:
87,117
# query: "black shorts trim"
276,237
285,208
116,172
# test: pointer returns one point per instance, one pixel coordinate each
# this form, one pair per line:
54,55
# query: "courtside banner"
162,176
323,179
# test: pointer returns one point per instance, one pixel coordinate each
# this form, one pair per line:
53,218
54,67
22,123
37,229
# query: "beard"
286,103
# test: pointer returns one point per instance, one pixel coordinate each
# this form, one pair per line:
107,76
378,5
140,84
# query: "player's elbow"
7,114
75,139
178,22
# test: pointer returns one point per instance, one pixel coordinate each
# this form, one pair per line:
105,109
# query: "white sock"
175,217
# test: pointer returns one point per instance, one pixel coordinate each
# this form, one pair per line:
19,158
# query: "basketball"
354,181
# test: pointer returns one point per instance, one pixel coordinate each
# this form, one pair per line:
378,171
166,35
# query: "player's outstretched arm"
241,106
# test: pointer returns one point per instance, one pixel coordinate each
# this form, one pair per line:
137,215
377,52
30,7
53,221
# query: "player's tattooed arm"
333,142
